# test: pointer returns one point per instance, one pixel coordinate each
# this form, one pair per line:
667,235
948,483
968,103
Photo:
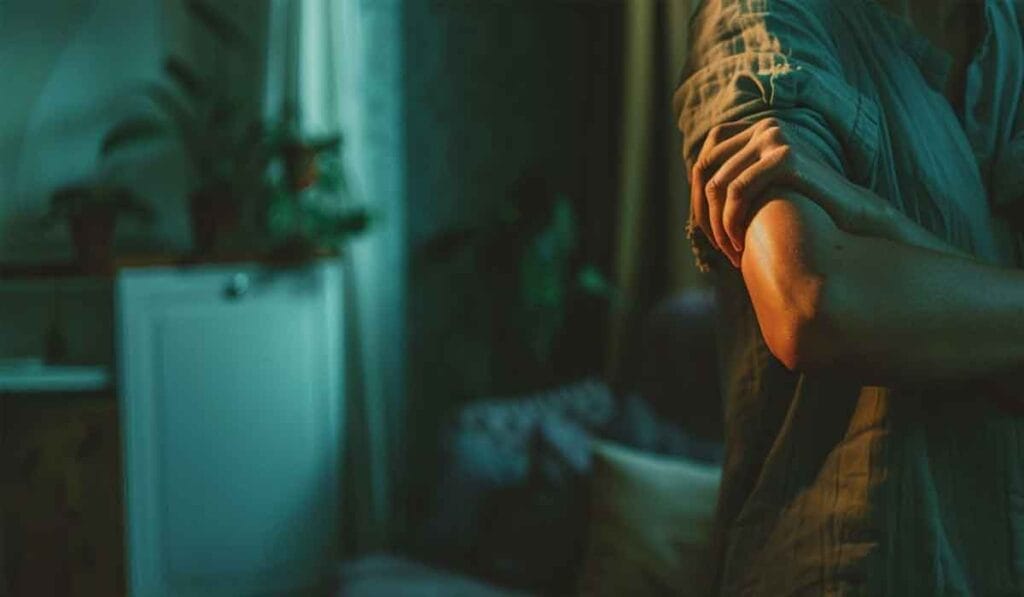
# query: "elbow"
784,339
798,341
793,285
798,320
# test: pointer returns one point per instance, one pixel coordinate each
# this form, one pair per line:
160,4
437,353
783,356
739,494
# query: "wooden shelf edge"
21,271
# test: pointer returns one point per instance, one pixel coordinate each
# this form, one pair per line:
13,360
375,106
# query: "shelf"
262,258
54,379
27,270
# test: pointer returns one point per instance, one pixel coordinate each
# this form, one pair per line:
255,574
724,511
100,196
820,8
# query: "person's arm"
880,311
739,161
884,221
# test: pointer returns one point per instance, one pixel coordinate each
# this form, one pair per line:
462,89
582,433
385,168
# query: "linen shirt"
830,487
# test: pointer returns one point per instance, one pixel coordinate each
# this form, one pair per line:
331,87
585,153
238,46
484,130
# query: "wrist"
889,222
875,217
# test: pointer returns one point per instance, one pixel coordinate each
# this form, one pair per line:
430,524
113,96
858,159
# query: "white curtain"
338,62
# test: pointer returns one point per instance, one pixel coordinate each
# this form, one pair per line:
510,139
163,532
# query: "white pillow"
650,523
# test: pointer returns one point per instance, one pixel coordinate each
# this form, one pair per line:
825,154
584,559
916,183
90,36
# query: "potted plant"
91,211
308,212
228,151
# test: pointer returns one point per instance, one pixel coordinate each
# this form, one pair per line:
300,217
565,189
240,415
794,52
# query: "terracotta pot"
93,236
215,216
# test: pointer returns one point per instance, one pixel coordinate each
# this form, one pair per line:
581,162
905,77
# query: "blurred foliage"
226,149
529,259
99,199
310,205
304,208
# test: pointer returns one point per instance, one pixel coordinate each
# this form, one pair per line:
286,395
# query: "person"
857,176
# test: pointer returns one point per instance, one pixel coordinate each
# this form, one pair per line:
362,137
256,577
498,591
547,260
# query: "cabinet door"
230,397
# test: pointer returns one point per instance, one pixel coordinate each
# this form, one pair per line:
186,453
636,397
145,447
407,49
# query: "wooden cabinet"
60,495
60,489
231,414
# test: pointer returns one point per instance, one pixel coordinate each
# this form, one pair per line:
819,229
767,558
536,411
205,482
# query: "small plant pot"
215,217
93,236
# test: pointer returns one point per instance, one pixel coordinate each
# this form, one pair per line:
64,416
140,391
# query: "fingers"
717,193
698,207
722,143
725,131
705,211
718,205
714,156
748,187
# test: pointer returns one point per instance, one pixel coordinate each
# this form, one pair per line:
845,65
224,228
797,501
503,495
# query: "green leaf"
223,114
252,138
252,148
172,106
129,203
185,78
348,224
182,116
84,198
217,24
593,282
136,130
70,195
326,143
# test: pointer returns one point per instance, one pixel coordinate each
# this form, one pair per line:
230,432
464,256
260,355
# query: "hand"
741,161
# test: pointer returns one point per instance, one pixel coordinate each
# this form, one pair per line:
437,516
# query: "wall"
71,70
68,65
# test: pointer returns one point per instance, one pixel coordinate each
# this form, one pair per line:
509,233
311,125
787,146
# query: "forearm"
894,226
909,314
861,211
884,311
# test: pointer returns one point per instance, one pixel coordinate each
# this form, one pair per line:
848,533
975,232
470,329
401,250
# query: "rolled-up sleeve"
751,59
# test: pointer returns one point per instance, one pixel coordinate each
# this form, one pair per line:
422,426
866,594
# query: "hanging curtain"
652,255
337,65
